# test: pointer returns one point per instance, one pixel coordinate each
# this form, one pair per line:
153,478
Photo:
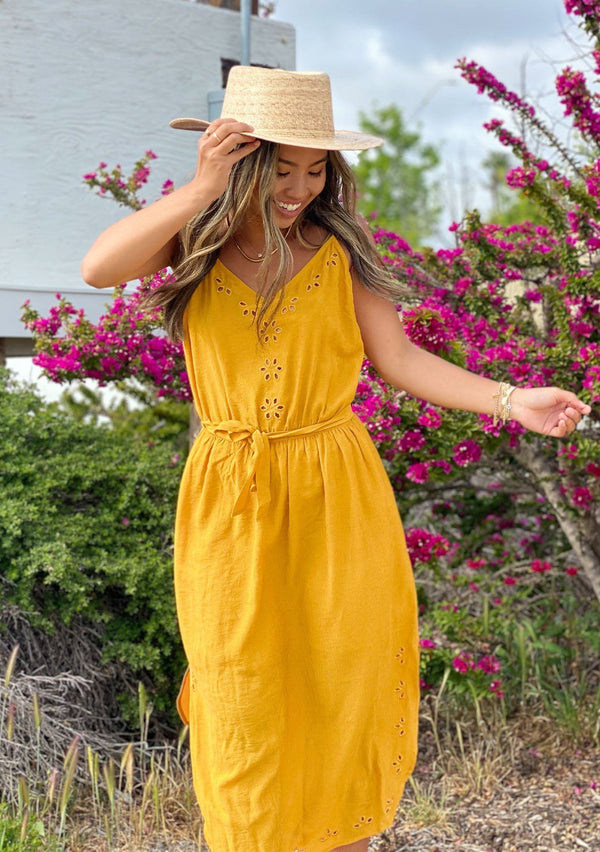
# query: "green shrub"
86,521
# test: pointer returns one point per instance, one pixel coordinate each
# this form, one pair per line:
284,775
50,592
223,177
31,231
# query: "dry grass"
482,784
517,786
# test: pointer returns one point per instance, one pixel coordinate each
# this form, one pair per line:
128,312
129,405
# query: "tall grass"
130,797
125,800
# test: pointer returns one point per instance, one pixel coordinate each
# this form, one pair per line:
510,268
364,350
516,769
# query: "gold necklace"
261,254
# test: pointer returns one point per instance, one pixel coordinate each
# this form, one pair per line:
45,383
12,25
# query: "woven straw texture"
288,107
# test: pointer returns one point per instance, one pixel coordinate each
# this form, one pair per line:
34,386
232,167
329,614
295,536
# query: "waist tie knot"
257,477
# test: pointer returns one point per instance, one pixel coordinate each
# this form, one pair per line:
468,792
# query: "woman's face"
300,178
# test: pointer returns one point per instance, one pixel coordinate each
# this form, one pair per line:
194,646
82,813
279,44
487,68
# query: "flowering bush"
124,345
519,302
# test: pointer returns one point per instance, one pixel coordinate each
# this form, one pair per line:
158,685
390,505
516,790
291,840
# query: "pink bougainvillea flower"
463,663
496,688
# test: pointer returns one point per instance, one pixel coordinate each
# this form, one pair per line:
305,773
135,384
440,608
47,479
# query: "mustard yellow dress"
294,590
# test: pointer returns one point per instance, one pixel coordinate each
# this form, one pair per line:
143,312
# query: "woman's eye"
311,174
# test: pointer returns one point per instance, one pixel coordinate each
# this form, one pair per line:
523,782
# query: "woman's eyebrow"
291,163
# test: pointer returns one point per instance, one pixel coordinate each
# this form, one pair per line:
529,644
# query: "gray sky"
404,52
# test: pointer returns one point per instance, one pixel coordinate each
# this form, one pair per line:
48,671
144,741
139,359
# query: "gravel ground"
535,799
548,802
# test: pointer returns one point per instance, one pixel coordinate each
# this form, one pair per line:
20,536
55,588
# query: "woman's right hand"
221,146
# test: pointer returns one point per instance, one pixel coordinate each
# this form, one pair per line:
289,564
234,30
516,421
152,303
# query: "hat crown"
272,100
285,107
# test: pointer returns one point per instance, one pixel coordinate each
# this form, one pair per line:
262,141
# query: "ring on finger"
214,133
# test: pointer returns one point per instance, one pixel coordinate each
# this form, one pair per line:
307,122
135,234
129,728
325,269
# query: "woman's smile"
300,178
289,206
287,211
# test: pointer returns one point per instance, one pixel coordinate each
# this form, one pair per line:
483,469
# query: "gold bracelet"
503,405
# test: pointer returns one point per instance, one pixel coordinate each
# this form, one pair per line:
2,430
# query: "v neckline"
292,279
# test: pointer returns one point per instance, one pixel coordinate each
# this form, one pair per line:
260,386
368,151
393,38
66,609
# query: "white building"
99,80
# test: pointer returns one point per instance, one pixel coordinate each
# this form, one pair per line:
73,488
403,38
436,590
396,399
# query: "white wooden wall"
89,80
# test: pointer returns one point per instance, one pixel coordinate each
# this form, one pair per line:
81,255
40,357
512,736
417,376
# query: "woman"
294,591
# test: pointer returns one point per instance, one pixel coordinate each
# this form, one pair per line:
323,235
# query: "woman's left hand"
549,411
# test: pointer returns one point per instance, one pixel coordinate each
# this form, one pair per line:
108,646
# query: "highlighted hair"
201,239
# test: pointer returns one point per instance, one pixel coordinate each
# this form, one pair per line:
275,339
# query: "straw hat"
289,107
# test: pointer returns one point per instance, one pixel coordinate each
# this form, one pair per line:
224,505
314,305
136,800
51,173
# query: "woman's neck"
252,235
252,232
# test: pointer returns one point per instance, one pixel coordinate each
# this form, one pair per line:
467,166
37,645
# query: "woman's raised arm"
145,241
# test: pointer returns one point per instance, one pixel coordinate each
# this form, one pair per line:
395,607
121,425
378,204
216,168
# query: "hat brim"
340,140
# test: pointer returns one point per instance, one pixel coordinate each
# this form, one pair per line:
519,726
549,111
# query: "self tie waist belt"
257,477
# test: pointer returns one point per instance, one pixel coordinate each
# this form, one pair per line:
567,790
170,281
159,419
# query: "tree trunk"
582,531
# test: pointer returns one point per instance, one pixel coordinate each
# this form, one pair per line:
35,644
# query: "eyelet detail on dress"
329,835
271,369
363,821
400,691
388,805
397,763
291,305
400,726
275,331
333,259
272,408
315,283
247,310
222,288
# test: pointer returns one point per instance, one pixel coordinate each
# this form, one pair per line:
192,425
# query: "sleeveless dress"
294,591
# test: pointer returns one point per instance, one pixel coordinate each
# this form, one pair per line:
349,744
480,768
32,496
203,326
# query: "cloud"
404,52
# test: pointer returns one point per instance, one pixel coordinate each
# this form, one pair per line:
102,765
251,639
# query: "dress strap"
257,477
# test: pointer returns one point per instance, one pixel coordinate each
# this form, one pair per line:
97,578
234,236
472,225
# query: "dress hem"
386,822
377,828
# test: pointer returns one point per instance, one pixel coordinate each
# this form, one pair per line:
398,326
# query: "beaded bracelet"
503,405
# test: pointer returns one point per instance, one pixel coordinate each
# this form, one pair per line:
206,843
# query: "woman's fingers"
561,430
231,124
228,143
222,128
223,143
572,414
229,136
550,411
568,420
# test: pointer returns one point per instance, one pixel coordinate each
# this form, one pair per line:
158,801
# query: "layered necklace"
260,255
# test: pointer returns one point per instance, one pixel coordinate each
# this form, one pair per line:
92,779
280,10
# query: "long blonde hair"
201,239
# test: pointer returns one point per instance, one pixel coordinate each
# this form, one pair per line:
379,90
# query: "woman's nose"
296,187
